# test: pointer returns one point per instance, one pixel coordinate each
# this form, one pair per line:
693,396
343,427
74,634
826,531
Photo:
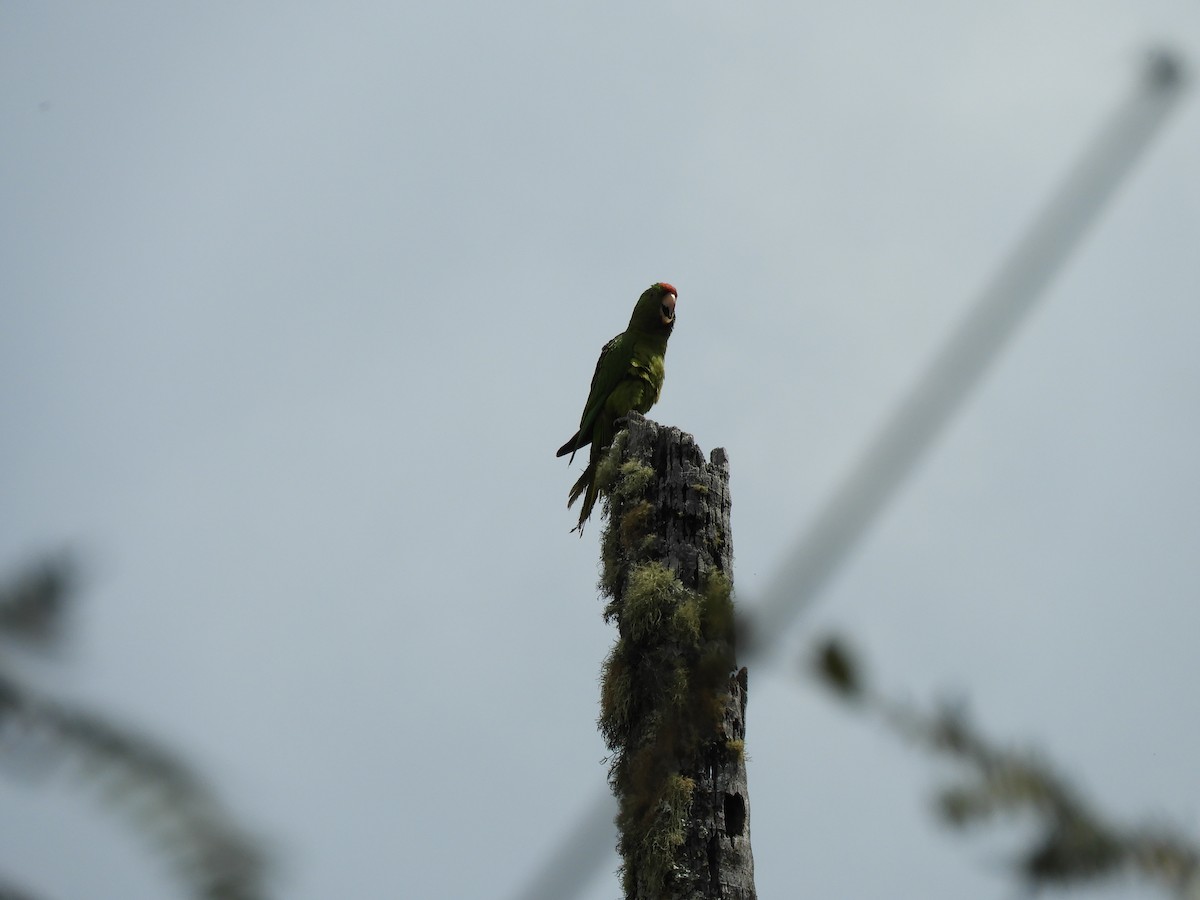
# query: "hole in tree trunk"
735,815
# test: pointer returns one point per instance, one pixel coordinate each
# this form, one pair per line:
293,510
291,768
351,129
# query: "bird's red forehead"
668,287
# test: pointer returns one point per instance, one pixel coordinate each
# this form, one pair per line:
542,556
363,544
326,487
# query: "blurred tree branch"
1075,843
157,790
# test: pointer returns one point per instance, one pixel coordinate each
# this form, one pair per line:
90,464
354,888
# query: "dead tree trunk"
673,700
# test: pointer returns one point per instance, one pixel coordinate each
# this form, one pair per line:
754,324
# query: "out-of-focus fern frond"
1074,844
158,793
155,790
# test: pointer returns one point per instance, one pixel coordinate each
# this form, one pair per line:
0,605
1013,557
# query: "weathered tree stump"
673,700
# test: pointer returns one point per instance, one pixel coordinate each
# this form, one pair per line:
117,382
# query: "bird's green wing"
615,359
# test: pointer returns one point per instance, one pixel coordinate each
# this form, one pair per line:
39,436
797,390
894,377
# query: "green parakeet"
629,375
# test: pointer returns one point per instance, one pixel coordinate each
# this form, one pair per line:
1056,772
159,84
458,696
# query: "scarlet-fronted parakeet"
629,375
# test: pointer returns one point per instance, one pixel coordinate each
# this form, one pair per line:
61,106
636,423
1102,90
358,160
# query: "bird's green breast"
648,367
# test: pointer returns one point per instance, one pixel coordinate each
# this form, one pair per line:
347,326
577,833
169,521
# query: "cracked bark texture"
673,699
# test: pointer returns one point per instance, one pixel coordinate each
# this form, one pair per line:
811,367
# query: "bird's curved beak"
667,310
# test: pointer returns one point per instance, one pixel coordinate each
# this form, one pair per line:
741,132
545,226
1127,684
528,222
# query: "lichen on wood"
673,700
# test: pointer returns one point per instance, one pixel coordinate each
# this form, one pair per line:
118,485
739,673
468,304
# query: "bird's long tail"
585,486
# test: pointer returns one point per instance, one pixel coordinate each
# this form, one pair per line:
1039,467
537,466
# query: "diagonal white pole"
968,352
954,372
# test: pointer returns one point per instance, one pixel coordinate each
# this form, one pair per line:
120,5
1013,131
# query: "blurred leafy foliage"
158,793
33,603
1074,843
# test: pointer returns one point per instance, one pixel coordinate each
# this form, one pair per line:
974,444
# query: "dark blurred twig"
1075,844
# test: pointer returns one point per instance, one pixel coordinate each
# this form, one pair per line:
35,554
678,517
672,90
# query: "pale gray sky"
299,300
